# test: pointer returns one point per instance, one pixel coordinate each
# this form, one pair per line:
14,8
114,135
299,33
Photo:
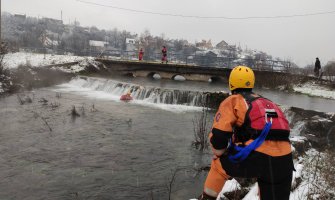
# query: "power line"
208,17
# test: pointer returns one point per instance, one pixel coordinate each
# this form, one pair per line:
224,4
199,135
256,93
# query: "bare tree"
200,125
172,180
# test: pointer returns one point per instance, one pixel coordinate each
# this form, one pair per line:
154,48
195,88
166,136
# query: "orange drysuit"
271,163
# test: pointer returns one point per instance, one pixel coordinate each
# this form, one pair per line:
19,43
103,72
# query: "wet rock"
300,145
331,136
295,183
246,182
317,127
236,194
214,99
241,189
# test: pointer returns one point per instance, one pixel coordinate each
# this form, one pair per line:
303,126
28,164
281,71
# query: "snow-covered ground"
13,60
313,89
310,172
316,173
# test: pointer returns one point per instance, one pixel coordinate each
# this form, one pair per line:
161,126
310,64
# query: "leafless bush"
172,180
200,125
20,99
82,110
5,78
319,172
23,99
74,112
58,95
329,71
43,101
93,109
151,195
54,105
36,115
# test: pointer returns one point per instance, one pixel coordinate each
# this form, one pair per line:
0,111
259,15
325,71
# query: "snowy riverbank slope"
314,89
13,60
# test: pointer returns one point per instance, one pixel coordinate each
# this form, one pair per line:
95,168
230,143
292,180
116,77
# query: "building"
20,17
130,41
222,45
52,21
96,45
204,45
130,44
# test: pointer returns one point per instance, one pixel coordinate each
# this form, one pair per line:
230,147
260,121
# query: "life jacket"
260,111
126,98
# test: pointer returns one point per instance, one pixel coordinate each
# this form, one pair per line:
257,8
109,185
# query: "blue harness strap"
243,152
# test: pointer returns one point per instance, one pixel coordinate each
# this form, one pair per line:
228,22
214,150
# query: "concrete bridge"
196,73
166,71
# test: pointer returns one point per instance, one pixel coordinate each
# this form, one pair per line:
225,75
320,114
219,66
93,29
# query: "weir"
146,94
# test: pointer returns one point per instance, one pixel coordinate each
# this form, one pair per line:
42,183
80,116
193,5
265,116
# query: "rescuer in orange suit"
249,139
140,54
126,97
164,55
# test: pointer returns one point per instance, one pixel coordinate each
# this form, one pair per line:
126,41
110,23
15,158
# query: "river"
114,150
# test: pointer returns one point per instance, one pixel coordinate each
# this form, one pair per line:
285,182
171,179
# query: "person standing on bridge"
249,139
317,67
140,55
164,55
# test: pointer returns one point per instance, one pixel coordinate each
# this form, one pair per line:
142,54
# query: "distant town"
46,35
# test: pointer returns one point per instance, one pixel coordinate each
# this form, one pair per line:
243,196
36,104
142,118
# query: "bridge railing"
179,58
202,60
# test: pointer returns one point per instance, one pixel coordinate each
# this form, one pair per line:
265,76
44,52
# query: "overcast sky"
300,39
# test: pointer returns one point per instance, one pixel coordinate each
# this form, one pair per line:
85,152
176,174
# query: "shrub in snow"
318,180
5,79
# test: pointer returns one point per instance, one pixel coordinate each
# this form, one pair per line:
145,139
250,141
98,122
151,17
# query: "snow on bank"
315,170
80,66
313,89
13,60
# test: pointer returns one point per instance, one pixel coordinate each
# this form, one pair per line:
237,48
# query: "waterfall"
146,94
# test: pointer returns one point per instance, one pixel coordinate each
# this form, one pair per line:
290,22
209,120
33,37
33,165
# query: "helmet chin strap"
241,90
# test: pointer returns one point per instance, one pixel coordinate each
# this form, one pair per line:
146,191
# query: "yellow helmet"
241,77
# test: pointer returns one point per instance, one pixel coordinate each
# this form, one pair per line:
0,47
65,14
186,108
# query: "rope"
243,152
